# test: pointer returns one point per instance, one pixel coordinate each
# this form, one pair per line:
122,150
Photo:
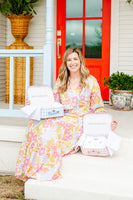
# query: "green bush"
10,7
129,1
119,81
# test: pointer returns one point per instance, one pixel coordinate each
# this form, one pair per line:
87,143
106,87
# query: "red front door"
86,25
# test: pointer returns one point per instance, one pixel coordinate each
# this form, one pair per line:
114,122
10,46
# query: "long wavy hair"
64,72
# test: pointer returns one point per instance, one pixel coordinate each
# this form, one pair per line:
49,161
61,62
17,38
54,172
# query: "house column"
48,47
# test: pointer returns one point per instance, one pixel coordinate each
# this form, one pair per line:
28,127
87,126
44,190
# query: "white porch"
89,178
82,177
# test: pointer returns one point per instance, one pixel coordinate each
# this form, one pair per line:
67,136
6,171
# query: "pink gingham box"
98,139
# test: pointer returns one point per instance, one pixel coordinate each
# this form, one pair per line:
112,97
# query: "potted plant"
24,7
121,86
129,1
19,12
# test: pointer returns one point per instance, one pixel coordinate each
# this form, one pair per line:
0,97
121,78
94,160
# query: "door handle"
58,48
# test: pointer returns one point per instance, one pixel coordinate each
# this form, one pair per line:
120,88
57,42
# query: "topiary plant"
119,81
10,7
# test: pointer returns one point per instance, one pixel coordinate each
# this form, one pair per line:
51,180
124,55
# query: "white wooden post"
48,47
27,81
11,95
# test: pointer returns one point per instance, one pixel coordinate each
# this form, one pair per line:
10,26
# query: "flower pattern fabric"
47,141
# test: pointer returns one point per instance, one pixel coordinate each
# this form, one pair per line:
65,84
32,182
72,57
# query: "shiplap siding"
125,41
2,60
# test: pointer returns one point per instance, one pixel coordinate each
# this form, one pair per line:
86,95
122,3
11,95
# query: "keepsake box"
97,124
98,139
42,104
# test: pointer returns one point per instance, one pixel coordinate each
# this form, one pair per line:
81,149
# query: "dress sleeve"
96,99
55,92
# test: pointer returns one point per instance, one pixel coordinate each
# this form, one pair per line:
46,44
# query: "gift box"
54,110
97,124
98,139
42,104
95,146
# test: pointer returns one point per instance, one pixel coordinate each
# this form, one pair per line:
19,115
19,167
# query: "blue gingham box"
42,104
55,110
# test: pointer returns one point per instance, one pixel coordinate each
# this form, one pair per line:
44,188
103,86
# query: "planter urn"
122,99
19,29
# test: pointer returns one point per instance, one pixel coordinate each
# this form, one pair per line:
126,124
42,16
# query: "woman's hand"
27,102
114,125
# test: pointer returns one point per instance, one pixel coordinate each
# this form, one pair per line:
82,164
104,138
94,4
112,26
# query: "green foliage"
119,81
10,7
20,197
129,1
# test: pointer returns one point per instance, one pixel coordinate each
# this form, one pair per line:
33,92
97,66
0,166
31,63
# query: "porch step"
12,132
85,177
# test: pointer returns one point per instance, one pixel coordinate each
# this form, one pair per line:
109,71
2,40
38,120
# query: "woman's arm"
96,101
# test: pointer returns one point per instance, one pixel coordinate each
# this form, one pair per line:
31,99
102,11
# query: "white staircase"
12,131
93,178
83,177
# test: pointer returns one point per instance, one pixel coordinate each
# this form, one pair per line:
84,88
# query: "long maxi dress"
47,141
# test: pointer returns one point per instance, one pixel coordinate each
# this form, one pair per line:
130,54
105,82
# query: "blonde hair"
64,72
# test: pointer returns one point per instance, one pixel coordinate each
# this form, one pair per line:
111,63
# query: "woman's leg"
46,142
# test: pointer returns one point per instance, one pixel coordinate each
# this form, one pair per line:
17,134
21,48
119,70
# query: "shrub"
119,81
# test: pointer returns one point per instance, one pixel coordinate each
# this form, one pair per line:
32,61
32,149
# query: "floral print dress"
47,141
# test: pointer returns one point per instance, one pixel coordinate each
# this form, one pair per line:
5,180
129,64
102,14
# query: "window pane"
93,8
74,8
93,38
74,33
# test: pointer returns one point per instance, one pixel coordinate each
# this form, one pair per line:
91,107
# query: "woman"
47,141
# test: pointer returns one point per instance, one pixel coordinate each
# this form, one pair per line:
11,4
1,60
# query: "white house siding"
35,38
126,37
121,37
2,60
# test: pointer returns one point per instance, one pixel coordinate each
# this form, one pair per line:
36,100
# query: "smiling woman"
73,64
54,139
47,141
73,69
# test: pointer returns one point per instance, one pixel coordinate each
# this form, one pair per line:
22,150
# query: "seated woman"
47,141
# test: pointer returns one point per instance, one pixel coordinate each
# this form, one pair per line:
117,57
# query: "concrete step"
10,141
85,177
12,132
